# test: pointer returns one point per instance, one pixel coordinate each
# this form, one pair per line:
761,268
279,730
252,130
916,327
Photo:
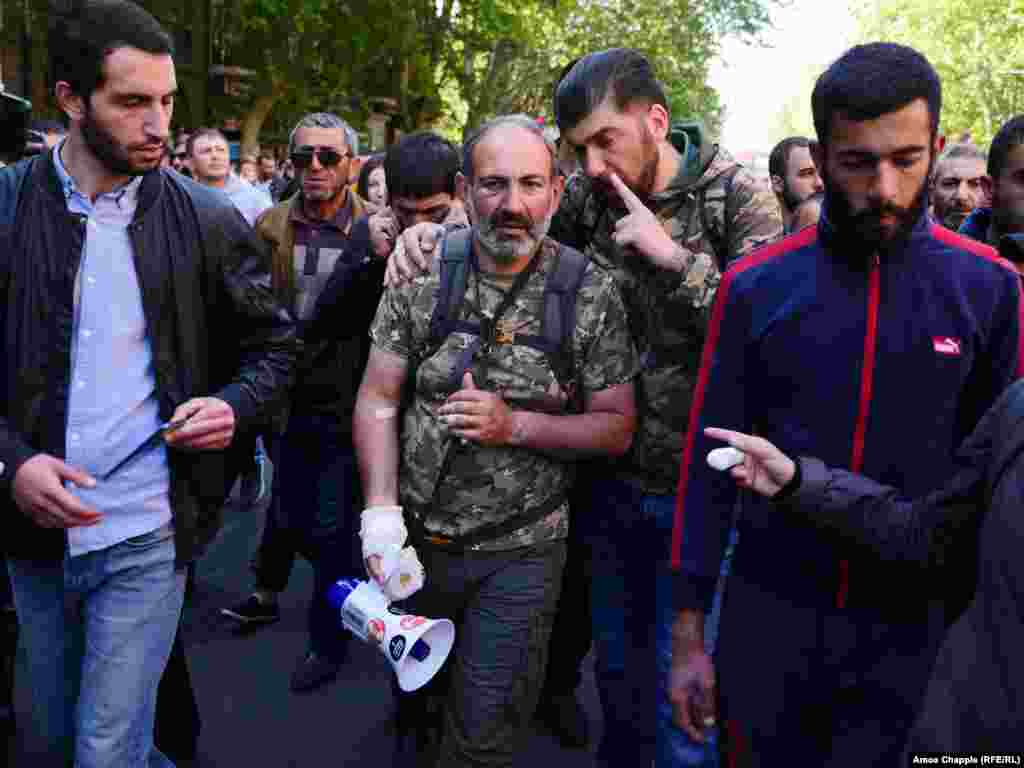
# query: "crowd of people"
503,366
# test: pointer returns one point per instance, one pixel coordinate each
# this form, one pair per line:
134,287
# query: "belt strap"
490,532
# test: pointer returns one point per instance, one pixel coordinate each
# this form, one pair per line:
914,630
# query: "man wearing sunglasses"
317,235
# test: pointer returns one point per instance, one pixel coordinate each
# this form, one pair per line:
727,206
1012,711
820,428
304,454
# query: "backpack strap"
454,277
558,324
719,241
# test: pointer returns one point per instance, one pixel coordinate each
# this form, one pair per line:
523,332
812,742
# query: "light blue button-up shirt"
112,400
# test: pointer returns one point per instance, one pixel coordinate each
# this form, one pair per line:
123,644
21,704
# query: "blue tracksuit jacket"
879,365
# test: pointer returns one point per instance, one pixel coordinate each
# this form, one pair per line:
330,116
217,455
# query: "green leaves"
450,64
977,47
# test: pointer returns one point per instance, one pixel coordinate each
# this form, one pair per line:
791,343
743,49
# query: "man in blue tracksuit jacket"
875,342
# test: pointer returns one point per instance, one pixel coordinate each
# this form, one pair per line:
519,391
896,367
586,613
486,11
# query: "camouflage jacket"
668,311
465,485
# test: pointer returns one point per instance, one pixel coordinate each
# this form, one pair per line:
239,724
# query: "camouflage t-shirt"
668,311
487,485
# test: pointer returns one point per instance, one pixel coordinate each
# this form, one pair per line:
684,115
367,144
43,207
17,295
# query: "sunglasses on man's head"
327,157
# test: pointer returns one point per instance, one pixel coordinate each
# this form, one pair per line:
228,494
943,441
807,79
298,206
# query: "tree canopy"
977,47
444,64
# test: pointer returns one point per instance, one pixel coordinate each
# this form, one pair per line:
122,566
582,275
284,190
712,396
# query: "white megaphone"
415,645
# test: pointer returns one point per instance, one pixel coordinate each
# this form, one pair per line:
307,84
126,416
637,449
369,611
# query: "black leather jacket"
214,324
972,527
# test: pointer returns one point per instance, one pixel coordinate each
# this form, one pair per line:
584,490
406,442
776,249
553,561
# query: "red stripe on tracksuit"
867,377
760,256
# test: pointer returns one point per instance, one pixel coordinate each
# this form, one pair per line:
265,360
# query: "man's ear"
659,121
461,185
940,143
777,184
69,102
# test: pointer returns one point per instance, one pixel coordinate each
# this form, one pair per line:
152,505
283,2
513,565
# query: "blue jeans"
97,630
629,534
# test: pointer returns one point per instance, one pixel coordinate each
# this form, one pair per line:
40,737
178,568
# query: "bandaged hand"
407,578
393,566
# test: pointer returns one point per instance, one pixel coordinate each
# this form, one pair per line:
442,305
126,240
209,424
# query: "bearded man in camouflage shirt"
662,212
488,440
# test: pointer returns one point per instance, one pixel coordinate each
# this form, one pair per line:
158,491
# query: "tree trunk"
254,119
39,94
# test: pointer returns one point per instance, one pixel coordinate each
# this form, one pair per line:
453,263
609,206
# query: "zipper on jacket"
866,382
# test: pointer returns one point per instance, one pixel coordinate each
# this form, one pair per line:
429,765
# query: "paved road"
251,719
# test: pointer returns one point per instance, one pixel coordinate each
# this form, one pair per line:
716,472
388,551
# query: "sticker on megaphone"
415,646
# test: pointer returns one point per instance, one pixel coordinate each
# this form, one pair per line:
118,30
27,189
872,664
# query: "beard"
323,194
1006,220
504,250
791,199
863,229
953,218
643,185
115,157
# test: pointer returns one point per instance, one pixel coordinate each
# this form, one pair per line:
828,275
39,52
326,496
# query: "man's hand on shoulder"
419,245
383,231
641,230
210,425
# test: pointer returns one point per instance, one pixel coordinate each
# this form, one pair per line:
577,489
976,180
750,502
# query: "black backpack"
554,341
557,324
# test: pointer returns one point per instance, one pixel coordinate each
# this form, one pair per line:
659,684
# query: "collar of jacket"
150,189
851,251
275,225
701,162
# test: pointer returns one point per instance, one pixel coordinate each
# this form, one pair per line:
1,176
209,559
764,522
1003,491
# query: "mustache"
510,220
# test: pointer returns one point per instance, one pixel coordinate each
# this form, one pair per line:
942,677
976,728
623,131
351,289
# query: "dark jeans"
314,512
275,555
8,651
627,548
6,598
503,605
571,633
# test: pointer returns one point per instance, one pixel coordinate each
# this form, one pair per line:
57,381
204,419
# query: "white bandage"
407,578
725,458
383,533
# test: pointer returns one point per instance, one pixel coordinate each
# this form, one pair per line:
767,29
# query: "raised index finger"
631,201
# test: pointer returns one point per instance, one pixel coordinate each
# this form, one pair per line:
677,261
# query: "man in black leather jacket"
129,297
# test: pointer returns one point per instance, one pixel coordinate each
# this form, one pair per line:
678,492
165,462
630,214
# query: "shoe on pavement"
312,671
566,719
253,611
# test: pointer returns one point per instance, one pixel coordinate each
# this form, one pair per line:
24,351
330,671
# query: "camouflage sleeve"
699,281
392,326
755,215
754,219
565,225
609,357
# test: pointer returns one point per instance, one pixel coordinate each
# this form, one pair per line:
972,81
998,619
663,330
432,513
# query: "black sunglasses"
303,158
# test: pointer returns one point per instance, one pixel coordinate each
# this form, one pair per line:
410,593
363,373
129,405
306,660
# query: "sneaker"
312,671
252,610
565,718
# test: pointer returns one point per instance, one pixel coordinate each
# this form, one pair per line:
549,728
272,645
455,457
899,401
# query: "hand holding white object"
407,578
383,532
